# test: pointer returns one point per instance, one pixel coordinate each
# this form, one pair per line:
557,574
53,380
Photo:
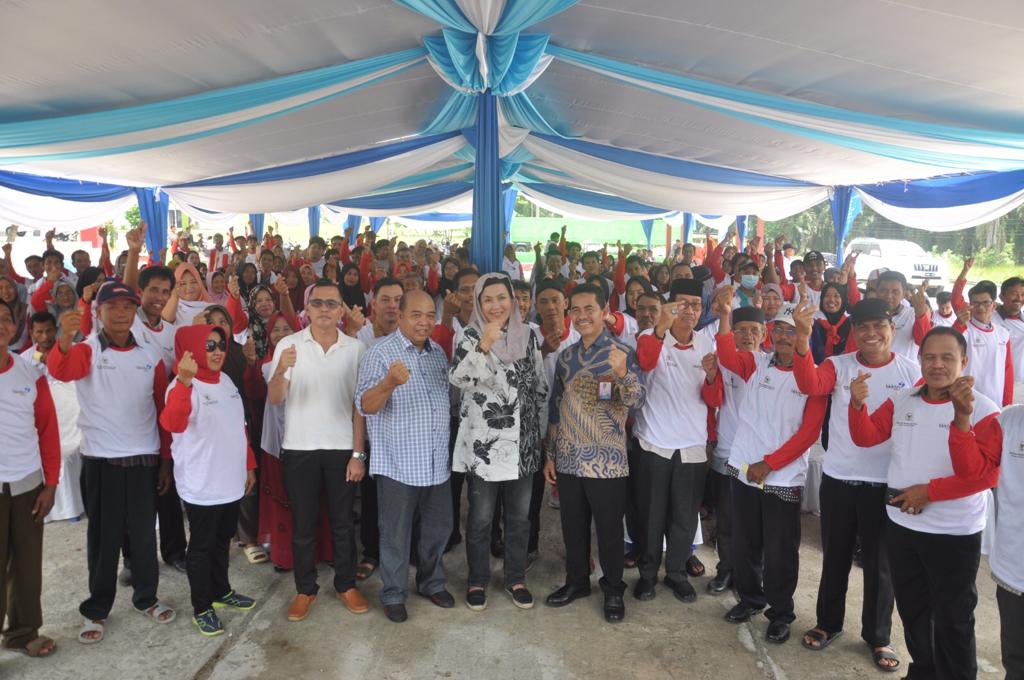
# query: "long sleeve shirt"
28,428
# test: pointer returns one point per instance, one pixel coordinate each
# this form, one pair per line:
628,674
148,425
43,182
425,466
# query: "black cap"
747,314
700,273
814,256
871,309
546,284
686,287
788,246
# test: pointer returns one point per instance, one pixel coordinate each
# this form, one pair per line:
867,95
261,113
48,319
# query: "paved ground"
659,639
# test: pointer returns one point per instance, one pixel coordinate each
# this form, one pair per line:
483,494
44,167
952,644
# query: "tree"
133,216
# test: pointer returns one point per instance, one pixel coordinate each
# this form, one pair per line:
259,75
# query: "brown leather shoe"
355,601
299,608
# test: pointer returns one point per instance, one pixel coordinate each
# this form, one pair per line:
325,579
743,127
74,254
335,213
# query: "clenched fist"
492,333
398,373
617,362
287,360
710,365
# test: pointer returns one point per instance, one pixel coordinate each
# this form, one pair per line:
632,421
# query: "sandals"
157,611
885,654
365,569
821,637
255,554
694,567
90,626
41,647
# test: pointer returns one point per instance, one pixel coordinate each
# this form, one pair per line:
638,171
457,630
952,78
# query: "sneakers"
208,623
235,601
521,597
476,600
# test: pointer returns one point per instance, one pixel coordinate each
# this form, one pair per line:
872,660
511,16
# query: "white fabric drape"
945,219
654,189
294,194
569,209
484,14
460,203
43,212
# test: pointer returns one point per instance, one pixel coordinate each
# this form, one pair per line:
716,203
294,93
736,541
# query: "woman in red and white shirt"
213,466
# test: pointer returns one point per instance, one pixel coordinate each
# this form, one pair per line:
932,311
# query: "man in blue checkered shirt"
403,392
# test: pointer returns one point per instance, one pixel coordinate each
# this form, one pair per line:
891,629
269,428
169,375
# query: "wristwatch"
359,455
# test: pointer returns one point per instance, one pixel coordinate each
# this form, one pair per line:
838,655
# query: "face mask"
748,281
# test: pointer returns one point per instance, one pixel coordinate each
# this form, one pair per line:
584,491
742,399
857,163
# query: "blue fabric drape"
399,202
323,165
65,189
947,192
256,220
648,227
592,199
458,112
741,230
487,239
846,205
353,222
509,210
376,223
687,226
313,214
441,217
153,210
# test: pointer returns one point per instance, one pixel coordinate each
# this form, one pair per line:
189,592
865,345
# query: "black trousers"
766,550
211,528
369,531
604,500
308,475
1011,632
119,501
721,491
934,579
172,524
536,501
634,519
849,512
671,494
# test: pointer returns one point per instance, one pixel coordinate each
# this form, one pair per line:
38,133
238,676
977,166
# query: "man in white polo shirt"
314,374
911,320
671,428
989,349
853,483
935,515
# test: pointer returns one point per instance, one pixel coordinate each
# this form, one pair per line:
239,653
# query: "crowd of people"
265,394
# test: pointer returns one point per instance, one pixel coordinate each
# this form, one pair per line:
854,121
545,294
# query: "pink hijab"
184,268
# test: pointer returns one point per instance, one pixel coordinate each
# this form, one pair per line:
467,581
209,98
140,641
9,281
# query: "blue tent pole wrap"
313,214
741,230
353,222
256,219
687,226
510,210
487,241
153,210
648,227
846,205
376,223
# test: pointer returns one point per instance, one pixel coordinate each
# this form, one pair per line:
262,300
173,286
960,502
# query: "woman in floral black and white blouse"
499,368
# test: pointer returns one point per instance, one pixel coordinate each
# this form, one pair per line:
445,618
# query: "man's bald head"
414,299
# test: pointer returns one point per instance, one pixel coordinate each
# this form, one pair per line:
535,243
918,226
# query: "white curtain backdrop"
43,212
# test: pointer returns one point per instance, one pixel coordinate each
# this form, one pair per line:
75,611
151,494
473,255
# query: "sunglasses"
329,304
216,344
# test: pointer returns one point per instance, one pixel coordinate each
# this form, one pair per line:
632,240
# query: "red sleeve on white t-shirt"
1008,377
238,315
870,430
74,365
979,451
806,434
177,409
648,350
742,364
713,393
615,328
48,432
813,380
922,325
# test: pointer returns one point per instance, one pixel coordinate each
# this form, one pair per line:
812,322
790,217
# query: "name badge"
604,389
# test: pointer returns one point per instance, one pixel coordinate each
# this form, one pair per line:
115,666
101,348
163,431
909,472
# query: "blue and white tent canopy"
601,108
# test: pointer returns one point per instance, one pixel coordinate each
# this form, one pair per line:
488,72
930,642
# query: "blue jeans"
516,495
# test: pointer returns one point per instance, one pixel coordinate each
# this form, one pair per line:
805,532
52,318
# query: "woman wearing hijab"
636,287
500,371
213,466
831,333
217,287
248,278
10,295
189,298
351,291
293,279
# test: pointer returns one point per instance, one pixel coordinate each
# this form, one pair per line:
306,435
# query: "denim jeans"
516,495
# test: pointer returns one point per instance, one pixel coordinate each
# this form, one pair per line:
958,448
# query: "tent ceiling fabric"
915,62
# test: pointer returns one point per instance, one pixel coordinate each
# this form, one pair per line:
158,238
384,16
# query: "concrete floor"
659,639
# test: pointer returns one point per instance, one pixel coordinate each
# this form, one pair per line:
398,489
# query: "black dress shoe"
720,583
644,589
178,564
778,632
741,613
442,599
614,608
683,591
395,612
565,595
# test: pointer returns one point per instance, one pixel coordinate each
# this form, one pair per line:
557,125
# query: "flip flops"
255,554
823,639
157,611
880,655
90,626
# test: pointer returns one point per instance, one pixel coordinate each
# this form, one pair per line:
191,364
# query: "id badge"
604,389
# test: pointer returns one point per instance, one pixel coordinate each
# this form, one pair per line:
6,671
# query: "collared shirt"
409,435
321,387
590,439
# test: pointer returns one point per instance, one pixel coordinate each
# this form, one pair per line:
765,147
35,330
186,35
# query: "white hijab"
514,342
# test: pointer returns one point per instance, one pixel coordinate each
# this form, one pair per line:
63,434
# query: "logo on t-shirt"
896,386
22,391
907,419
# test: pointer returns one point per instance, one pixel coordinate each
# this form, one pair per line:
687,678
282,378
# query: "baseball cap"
785,314
115,290
814,256
871,309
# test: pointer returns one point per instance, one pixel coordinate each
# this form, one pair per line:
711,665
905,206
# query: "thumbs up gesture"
617,362
859,390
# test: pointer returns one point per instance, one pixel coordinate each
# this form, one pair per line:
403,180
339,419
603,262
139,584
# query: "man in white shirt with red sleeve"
1003,451
853,483
682,383
29,471
768,461
121,386
910,320
936,514
989,350
1011,297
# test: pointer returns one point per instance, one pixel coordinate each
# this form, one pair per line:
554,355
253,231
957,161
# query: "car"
906,257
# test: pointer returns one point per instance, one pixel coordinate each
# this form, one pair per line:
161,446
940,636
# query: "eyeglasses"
696,306
216,344
784,330
319,303
981,303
